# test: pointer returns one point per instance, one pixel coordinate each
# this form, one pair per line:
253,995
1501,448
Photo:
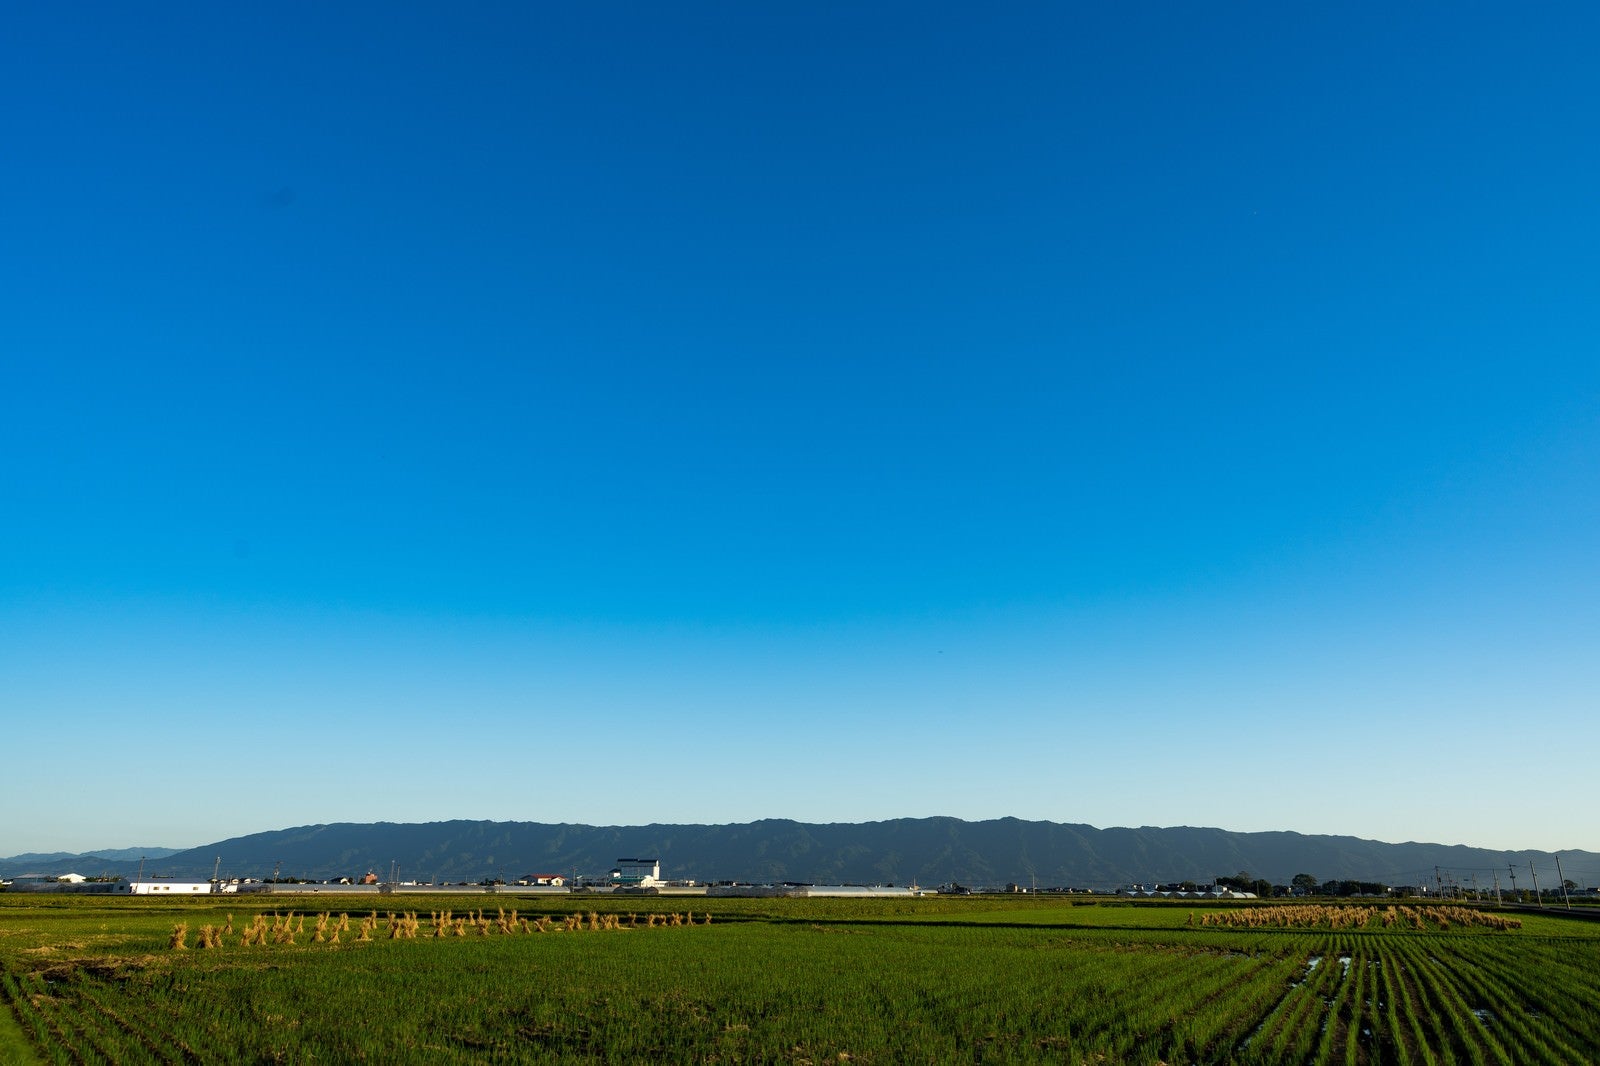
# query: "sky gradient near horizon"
1129,415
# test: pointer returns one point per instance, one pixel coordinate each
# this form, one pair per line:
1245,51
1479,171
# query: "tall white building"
643,873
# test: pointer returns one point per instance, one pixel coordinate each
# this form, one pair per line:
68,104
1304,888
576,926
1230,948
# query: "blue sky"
1131,414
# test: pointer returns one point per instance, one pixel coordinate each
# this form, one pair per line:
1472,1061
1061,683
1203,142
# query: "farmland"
90,979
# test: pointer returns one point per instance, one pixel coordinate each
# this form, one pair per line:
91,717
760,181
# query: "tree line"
1302,885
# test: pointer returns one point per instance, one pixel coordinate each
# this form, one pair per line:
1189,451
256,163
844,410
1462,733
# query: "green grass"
835,980
15,1048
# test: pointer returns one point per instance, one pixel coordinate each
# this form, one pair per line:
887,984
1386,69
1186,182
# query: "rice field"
790,980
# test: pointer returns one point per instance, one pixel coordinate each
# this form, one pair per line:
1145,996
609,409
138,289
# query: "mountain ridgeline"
927,851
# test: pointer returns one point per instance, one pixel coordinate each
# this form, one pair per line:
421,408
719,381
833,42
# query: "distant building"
36,883
1203,892
75,883
552,880
814,891
165,887
640,873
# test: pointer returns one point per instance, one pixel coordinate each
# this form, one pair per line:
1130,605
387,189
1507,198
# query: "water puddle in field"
1311,967
1483,1014
1312,962
1344,962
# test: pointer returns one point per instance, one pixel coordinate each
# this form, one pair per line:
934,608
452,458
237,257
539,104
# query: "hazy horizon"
627,414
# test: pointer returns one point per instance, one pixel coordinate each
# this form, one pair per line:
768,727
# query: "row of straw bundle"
286,928
1323,916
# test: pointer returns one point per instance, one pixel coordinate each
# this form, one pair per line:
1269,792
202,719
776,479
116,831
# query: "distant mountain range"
928,851
31,859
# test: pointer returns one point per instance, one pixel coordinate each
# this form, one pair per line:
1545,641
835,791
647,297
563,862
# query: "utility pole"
141,871
1537,897
1497,888
215,869
1564,897
1513,870
275,868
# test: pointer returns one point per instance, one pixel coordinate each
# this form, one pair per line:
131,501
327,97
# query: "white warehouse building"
164,887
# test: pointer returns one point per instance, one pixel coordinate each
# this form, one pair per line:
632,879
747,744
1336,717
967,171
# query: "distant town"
643,876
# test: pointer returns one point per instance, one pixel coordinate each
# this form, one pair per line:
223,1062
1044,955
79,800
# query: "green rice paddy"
935,980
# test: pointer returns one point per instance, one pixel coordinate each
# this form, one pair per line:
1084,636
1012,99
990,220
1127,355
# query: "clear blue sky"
1122,414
